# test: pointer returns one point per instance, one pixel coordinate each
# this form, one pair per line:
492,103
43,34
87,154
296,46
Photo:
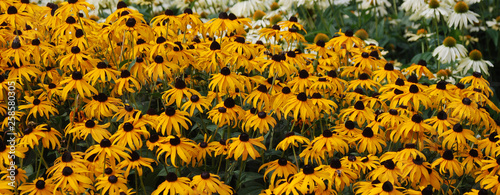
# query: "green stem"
295,156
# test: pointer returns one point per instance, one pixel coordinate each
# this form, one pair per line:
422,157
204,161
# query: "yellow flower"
243,145
172,119
79,83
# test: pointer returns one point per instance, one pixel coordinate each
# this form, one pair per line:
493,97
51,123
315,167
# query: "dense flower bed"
180,104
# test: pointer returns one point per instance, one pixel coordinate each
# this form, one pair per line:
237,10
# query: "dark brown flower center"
335,163
458,128
40,184
170,111
67,157
105,143
127,127
308,169
359,105
448,155
282,162
387,186
76,75
175,141
67,171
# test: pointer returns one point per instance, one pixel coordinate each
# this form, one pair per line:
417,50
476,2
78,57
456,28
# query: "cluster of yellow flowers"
91,92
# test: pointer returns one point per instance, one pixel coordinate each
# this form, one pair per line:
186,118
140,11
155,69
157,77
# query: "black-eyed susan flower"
386,188
177,148
213,59
51,138
177,92
207,183
111,183
174,185
441,122
292,140
364,81
388,171
347,39
473,161
130,132
411,129
135,161
226,112
388,73
160,69
369,141
125,113
261,122
225,81
490,144
340,175
448,164
409,152
197,102
309,179
90,127
39,107
259,97
172,119
464,109
106,150
419,69
31,136
414,97
102,106
301,107
243,145
38,187
78,82
457,135
280,168
71,179
126,83
67,159
20,72
358,113
414,169
329,142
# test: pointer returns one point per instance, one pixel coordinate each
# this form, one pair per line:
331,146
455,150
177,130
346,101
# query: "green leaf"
494,35
131,64
251,188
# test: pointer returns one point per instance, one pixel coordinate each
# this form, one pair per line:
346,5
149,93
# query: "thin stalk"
295,156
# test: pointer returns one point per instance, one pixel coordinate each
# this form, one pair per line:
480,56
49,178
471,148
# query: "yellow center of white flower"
433,4
443,73
450,42
274,6
362,34
275,19
421,31
475,55
321,36
461,7
258,15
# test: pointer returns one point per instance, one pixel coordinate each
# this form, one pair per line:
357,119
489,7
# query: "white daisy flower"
378,6
461,16
449,51
421,33
247,8
412,5
447,75
476,27
475,62
494,24
435,10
